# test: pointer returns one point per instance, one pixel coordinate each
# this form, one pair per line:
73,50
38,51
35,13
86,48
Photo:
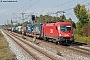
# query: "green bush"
82,39
1,35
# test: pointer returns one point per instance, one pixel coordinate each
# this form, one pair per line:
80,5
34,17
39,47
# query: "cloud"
2,11
43,11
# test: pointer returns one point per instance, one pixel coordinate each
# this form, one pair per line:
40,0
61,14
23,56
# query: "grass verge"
5,52
82,39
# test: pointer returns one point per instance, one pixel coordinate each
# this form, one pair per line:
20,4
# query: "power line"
73,8
62,4
26,4
22,8
67,3
58,5
83,1
68,9
17,16
32,5
87,4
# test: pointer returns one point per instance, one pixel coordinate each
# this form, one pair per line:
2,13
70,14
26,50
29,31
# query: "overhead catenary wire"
20,9
26,4
23,11
62,4
73,8
87,4
57,5
48,9
52,8
31,5
28,8
67,3
83,1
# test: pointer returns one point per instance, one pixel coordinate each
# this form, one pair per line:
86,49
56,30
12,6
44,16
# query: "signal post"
34,32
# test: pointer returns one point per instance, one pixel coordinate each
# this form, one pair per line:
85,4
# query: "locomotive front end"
66,33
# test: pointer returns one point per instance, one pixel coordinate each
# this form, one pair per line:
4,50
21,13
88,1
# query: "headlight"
60,34
72,34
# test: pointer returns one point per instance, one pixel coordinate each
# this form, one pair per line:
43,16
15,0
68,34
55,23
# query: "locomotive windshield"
65,28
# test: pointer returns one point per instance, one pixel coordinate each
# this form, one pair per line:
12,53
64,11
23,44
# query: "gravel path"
20,55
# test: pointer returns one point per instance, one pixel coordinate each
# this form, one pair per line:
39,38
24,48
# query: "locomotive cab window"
65,28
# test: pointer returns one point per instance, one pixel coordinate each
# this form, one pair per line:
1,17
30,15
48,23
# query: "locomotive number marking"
51,30
66,35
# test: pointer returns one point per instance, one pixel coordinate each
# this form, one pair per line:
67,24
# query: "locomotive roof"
57,23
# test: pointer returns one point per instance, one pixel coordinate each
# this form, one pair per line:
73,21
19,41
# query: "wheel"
45,38
57,42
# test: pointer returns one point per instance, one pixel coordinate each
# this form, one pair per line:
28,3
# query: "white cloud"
42,11
2,11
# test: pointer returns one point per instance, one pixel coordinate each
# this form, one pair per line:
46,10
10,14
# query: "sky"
13,10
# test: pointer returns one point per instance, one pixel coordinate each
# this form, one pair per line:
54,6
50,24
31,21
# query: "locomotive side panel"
51,31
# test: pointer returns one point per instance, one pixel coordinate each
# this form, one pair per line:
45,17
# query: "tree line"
83,16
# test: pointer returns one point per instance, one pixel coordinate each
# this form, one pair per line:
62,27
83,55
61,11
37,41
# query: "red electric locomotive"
58,32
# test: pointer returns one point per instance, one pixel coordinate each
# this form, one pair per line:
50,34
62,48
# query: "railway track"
78,47
80,50
36,52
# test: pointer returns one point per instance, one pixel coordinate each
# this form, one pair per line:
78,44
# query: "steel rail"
51,56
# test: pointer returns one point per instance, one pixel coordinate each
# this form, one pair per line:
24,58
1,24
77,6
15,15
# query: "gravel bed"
20,55
47,51
65,53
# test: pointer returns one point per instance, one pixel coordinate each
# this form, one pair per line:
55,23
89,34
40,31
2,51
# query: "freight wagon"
19,29
37,30
29,29
15,29
24,30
